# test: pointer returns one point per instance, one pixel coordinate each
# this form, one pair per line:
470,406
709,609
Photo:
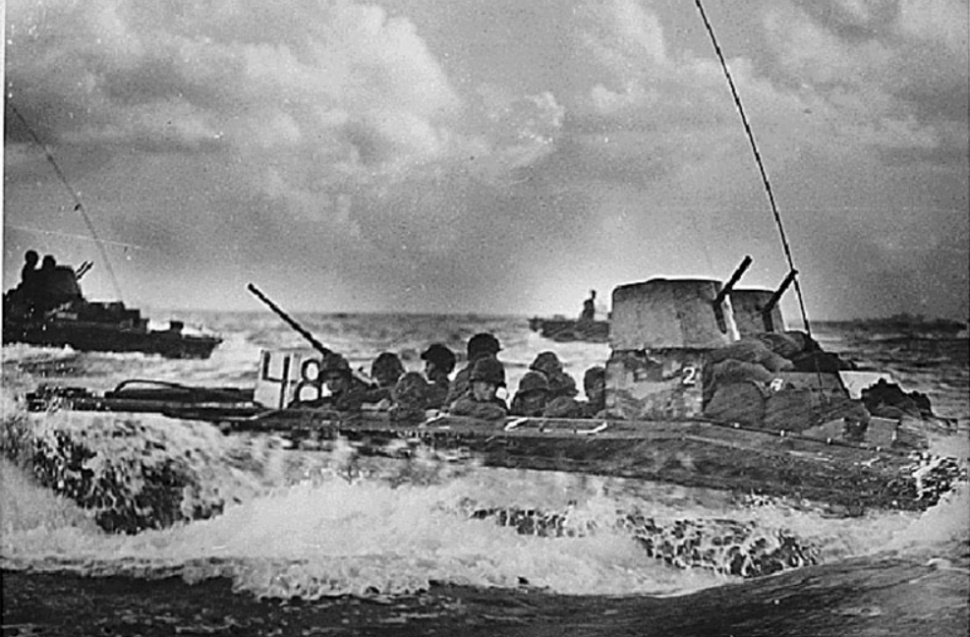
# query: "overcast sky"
500,156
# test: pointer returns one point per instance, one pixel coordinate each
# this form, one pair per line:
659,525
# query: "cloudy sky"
490,155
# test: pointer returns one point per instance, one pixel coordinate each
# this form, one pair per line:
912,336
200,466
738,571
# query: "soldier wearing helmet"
532,396
387,369
560,383
410,398
481,401
439,361
347,392
594,384
480,346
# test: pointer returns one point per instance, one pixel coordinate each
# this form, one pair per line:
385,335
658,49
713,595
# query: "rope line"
78,204
761,167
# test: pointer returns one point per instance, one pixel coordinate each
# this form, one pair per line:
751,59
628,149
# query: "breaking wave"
183,499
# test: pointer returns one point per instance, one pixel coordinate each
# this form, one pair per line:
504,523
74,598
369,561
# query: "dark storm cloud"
345,155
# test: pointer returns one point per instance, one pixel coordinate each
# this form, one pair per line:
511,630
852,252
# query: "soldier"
560,383
532,396
479,346
439,362
481,400
410,397
594,383
347,393
387,369
28,273
588,314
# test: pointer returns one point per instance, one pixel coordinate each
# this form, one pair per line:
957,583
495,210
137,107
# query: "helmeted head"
49,262
533,382
386,369
439,357
547,363
483,344
487,375
592,294
411,391
594,383
533,394
31,258
336,373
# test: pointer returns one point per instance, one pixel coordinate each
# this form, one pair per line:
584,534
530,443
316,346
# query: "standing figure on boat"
481,401
588,315
24,296
482,345
55,285
560,383
29,276
439,362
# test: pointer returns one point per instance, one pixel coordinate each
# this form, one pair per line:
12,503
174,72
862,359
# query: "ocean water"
333,528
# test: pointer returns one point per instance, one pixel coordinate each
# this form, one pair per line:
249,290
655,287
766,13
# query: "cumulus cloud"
892,73
311,101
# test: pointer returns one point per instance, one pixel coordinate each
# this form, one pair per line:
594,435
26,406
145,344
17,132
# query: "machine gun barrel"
317,345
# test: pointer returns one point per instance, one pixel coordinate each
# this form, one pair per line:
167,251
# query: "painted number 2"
689,377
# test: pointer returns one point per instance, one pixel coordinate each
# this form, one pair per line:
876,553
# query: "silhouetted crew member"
481,400
439,362
588,314
479,346
43,299
62,285
28,273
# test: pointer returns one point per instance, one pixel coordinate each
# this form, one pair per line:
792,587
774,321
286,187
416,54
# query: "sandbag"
742,402
736,371
796,410
790,409
783,345
750,350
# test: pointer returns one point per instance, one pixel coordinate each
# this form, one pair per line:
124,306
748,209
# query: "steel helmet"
490,370
441,356
547,363
411,390
483,344
387,362
533,381
335,363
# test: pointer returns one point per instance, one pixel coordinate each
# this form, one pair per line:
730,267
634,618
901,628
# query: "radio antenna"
78,204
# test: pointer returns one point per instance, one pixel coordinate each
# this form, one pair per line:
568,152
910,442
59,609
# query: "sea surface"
313,543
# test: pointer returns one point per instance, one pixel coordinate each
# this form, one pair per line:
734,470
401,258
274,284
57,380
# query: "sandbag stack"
775,381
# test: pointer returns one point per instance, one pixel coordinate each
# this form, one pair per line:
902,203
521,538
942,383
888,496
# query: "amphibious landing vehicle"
689,401
56,314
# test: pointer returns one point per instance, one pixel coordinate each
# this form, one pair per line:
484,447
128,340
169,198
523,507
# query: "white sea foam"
313,524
